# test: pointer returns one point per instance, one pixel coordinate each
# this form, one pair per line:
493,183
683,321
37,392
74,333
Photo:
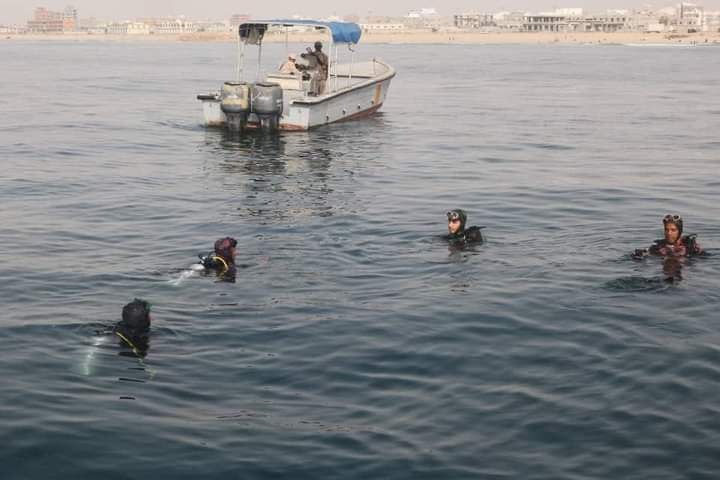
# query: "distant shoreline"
408,37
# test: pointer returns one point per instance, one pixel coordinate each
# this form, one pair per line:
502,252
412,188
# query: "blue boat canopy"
342,32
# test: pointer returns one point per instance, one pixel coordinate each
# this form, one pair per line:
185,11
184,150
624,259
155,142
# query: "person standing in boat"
319,67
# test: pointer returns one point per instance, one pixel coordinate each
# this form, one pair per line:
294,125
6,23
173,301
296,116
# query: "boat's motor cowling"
235,104
267,104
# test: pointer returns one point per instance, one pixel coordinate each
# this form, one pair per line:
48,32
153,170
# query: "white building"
11,29
712,22
474,21
554,22
655,28
170,27
690,17
127,28
214,27
382,27
510,21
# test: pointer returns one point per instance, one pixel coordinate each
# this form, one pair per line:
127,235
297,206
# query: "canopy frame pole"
240,67
352,62
337,53
259,62
287,35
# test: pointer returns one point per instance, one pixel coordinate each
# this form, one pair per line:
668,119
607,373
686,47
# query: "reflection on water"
672,274
261,165
672,269
106,344
638,284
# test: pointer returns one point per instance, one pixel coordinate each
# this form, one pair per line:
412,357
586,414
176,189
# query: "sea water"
355,342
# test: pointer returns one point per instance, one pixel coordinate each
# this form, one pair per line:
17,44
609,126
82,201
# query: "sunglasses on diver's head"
671,218
453,216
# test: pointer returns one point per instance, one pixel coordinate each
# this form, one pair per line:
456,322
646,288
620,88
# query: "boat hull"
302,112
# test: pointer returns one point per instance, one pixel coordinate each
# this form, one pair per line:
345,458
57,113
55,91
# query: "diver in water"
458,233
132,334
134,328
222,259
674,244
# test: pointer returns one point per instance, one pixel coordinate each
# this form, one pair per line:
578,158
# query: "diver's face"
454,226
672,234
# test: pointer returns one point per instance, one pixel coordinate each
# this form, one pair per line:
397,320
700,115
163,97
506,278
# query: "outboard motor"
267,104
235,104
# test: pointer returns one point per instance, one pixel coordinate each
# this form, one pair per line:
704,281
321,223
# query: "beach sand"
408,37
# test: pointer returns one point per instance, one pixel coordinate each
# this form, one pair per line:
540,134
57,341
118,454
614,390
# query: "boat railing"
344,76
287,81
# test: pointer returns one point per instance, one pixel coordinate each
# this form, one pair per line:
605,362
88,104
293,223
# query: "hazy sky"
18,11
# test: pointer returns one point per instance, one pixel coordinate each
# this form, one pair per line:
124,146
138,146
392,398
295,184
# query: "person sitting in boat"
222,259
289,67
134,328
674,244
458,232
318,65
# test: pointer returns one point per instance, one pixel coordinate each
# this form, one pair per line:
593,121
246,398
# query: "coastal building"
70,19
509,21
209,26
173,27
690,18
46,21
546,22
655,28
128,28
474,21
645,20
712,22
97,30
382,27
610,22
92,26
561,22
14,29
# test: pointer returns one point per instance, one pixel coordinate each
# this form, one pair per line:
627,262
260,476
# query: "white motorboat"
285,101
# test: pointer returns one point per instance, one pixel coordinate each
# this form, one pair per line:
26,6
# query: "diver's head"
318,46
136,316
673,226
225,248
456,221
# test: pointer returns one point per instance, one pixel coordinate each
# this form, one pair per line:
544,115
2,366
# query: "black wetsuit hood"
470,234
462,216
135,317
